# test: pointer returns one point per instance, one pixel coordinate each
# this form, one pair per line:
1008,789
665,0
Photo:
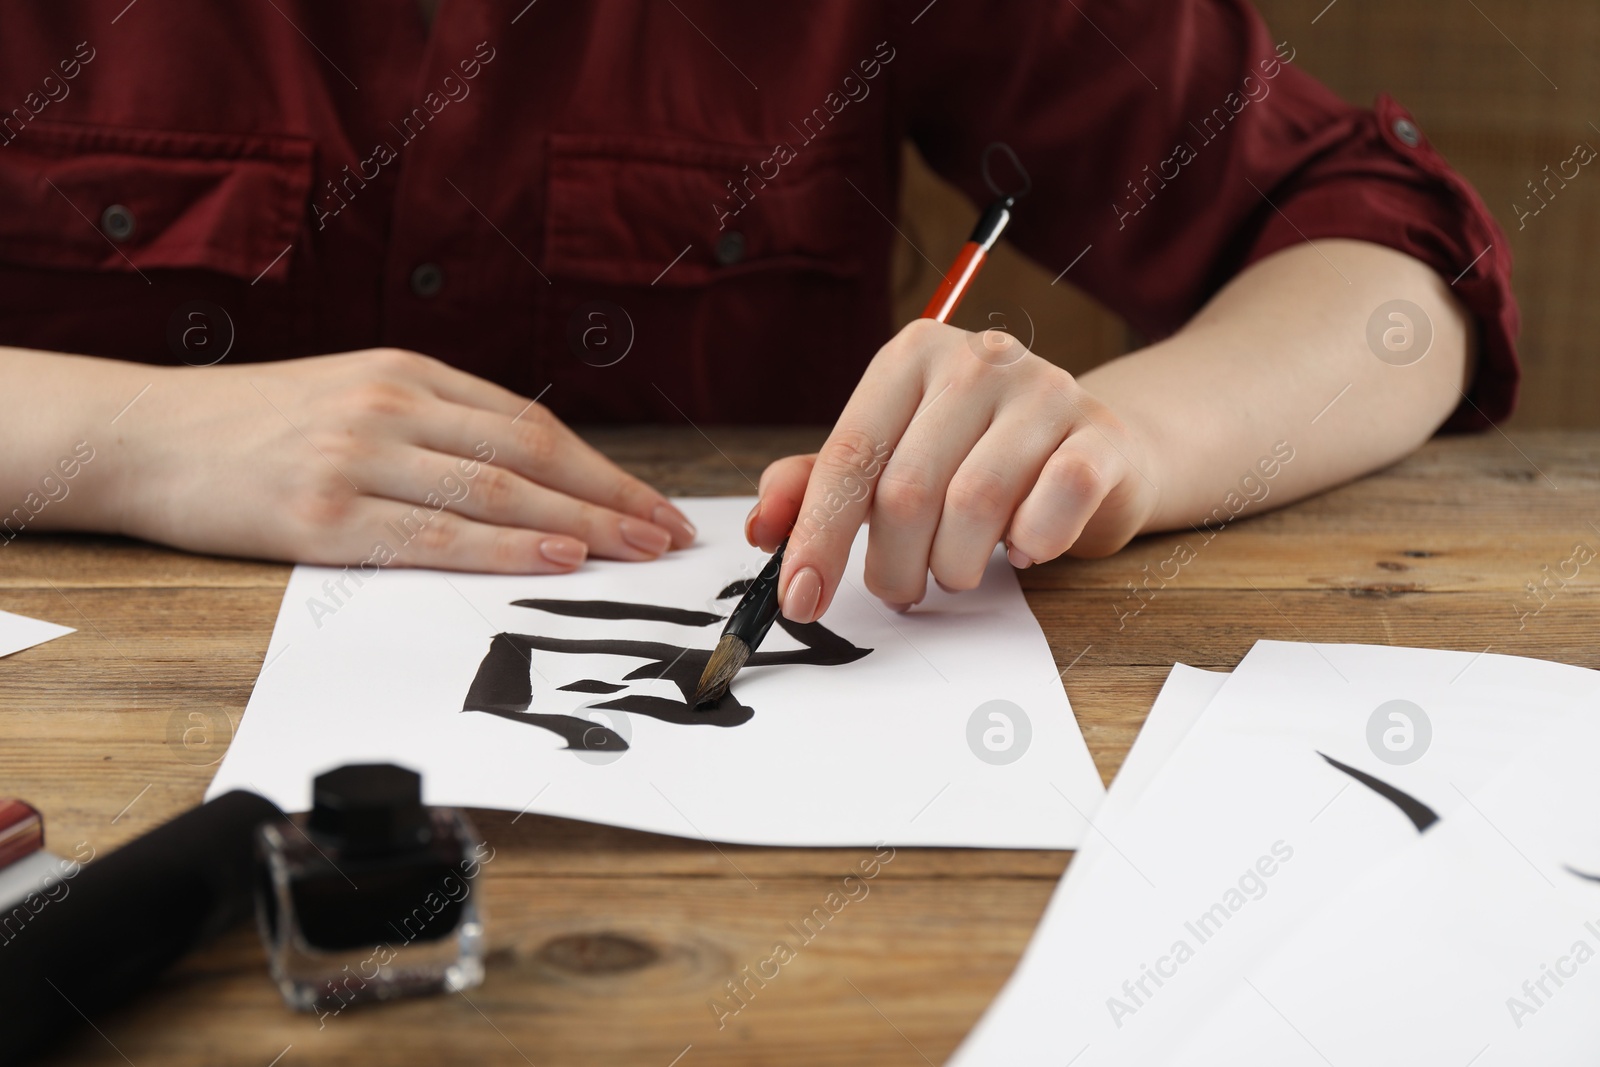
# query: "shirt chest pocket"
627,210
111,199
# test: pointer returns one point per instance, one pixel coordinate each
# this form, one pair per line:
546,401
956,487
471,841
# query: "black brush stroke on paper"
590,685
577,733
503,687
613,609
1420,814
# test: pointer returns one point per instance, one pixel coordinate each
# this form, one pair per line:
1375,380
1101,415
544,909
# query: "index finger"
838,495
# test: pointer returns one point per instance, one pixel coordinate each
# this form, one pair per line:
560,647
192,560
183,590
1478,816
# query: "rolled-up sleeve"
1172,143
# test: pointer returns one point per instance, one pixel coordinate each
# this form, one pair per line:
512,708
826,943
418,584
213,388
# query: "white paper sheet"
18,632
1183,698
1479,945
889,747
1247,829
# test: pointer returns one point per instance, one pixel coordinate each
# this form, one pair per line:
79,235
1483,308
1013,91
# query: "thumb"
783,489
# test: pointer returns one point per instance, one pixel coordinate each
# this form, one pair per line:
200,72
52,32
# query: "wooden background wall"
1501,87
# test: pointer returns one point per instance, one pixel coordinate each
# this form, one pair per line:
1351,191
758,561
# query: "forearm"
374,457
59,434
1279,360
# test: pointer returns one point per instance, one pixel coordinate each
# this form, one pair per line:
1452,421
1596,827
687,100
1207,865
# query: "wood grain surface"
609,946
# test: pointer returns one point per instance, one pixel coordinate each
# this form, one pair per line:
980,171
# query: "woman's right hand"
376,456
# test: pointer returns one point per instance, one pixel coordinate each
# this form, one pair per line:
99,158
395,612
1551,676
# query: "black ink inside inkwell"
503,687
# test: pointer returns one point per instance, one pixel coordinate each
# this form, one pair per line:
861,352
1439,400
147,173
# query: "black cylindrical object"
757,610
125,917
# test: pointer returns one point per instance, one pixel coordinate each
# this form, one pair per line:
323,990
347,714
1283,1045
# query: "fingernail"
805,590
1018,560
900,608
750,521
644,537
670,517
563,551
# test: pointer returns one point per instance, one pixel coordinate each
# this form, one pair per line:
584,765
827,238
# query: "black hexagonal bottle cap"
369,808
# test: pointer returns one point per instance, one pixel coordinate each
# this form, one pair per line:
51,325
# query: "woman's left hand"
952,443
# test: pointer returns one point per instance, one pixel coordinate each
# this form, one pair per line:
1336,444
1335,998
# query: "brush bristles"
726,661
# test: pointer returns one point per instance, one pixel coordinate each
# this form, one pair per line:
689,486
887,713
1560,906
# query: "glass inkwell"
370,896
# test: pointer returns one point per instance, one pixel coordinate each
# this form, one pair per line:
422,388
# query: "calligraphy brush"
748,624
758,608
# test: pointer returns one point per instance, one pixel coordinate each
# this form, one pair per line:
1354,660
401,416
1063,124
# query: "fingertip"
801,597
676,523
567,553
645,537
750,525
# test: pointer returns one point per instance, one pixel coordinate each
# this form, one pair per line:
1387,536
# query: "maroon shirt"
336,176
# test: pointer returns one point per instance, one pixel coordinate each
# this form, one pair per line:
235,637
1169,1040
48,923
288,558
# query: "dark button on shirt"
730,248
292,164
427,279
117,222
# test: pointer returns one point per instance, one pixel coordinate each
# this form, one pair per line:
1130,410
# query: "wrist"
124,440
64,467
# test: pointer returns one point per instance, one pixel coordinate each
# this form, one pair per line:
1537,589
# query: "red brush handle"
959,277
954,286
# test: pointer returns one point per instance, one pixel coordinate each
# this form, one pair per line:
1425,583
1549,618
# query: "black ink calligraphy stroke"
502,685
590,685
614,609
1420,814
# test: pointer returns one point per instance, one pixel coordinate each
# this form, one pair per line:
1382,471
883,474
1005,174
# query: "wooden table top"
608,946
